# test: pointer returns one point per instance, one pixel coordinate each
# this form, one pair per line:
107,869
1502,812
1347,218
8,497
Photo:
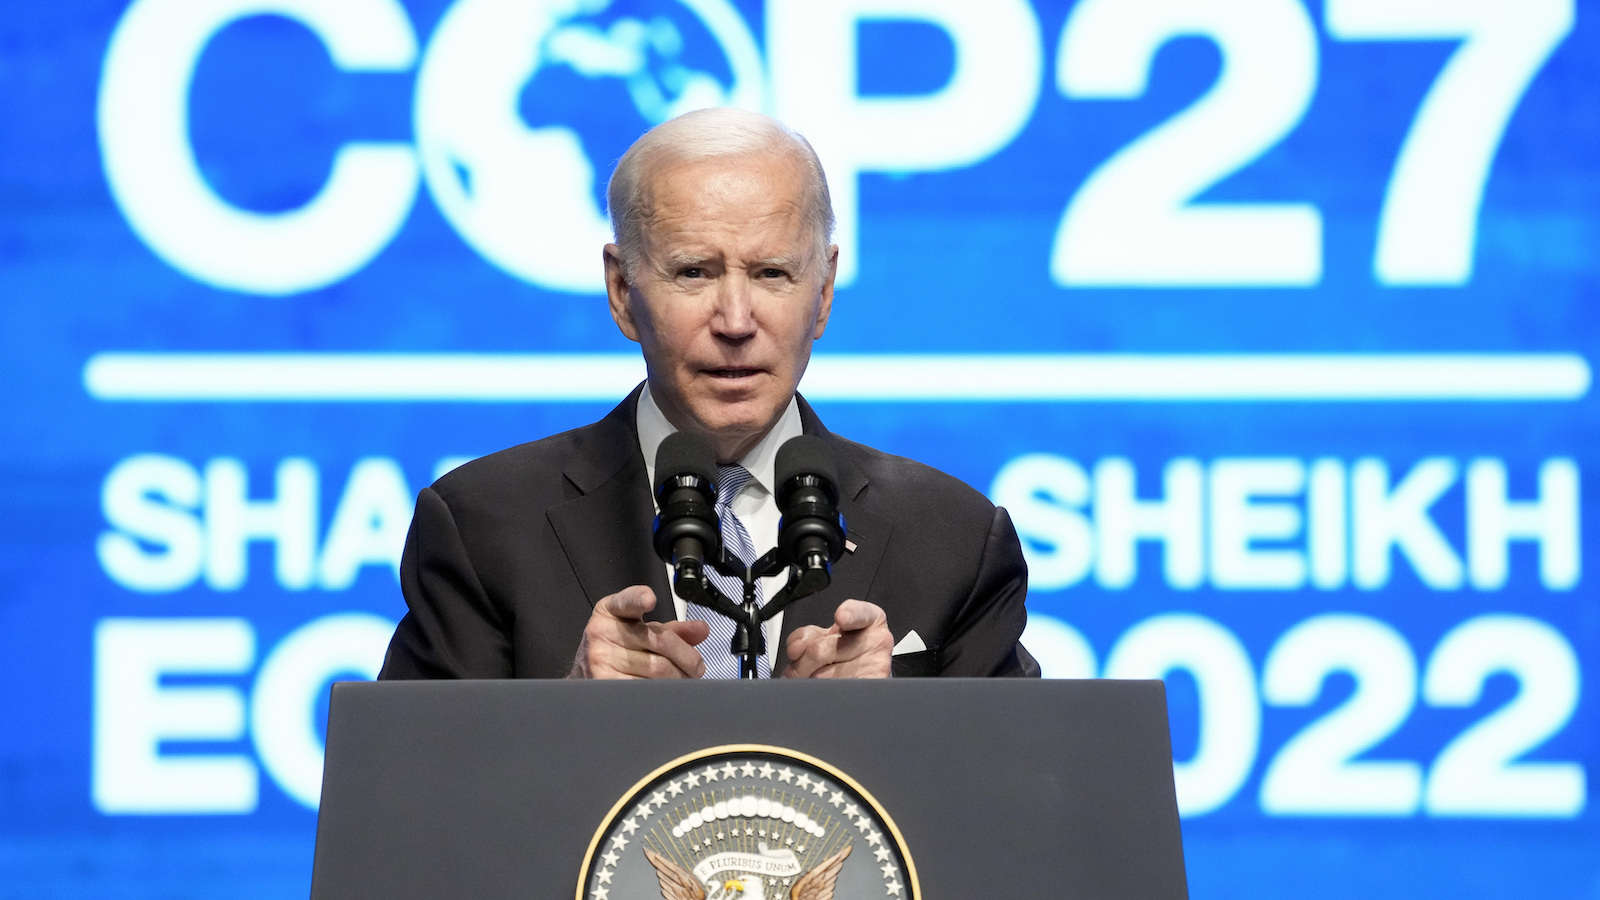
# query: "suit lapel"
854,572
606,530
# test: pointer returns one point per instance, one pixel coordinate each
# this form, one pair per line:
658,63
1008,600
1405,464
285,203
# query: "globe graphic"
523,107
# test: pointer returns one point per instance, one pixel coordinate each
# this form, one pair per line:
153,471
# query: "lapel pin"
849,546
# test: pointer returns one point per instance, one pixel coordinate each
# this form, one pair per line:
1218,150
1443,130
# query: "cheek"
675,331
668,330
648,319
802,329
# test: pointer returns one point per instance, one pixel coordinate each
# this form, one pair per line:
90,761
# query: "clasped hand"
619,643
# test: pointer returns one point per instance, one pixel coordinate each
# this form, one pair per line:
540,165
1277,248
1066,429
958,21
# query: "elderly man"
537,561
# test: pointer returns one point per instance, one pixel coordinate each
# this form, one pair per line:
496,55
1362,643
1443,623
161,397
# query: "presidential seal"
747,822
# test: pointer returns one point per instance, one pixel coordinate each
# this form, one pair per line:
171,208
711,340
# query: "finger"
832,670
657,638
801,638
814,649
857,654
625,662
869,666
855,644
693,631
859,645
856,615
609,624
628,604
617,642
865,654
664,641
807,633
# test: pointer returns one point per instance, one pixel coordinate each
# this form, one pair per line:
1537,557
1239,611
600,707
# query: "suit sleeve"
986,640
451,629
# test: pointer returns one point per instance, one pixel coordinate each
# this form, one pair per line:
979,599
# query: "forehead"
756,198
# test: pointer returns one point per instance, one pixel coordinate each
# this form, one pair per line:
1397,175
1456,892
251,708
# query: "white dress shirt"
756,505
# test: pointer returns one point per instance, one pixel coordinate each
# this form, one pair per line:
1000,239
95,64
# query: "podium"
945,789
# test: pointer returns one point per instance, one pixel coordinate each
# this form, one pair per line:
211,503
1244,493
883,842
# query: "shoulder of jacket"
533,465
912,482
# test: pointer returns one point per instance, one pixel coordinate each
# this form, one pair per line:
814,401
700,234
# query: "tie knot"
731,479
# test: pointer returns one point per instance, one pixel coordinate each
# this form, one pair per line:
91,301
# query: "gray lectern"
908,789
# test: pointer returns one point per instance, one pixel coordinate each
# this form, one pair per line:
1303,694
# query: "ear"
825,308
618,292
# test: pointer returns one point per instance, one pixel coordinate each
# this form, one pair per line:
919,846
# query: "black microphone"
686,529
811,532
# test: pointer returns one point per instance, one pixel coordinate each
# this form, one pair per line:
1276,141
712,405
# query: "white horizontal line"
361,377
1203,377
567,378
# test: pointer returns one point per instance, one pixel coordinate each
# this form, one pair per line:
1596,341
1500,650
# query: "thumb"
629,604
855,615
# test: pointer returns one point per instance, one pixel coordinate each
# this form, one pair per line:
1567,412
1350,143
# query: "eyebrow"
682,260
790,263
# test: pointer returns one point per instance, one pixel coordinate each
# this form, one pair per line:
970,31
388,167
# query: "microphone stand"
749,642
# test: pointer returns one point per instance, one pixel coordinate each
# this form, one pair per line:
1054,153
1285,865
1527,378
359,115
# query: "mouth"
732,373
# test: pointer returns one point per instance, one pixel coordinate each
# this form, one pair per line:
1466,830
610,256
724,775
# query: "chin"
735,426
738,420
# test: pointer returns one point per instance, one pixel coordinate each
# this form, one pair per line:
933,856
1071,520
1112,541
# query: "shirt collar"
760,462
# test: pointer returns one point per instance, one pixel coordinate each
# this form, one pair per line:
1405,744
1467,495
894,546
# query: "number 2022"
1134,222
1479,773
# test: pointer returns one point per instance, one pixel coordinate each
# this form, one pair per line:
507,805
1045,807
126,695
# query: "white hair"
709,134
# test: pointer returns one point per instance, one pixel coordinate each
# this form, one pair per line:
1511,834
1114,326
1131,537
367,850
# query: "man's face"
727,296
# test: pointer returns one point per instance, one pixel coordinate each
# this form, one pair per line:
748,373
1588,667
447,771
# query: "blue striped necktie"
720,663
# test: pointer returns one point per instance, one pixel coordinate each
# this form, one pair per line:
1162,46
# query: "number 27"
1135,223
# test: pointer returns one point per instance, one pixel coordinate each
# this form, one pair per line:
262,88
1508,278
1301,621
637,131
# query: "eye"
770,272
692,272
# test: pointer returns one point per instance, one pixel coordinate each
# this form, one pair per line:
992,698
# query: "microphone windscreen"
805,455
683,453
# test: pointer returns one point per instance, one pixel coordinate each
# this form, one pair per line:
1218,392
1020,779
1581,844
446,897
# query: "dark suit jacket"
508,554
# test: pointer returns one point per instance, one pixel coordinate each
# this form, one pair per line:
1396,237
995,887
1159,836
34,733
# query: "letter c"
143,123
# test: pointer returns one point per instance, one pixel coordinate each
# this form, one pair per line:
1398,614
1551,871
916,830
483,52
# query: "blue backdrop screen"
1267,320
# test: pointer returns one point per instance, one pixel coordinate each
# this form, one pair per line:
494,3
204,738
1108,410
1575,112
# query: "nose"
734,317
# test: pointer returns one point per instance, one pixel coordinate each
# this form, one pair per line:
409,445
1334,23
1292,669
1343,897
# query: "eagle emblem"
678,884
747,822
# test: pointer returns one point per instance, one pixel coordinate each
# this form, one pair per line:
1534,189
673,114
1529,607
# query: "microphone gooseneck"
687,532
811,532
